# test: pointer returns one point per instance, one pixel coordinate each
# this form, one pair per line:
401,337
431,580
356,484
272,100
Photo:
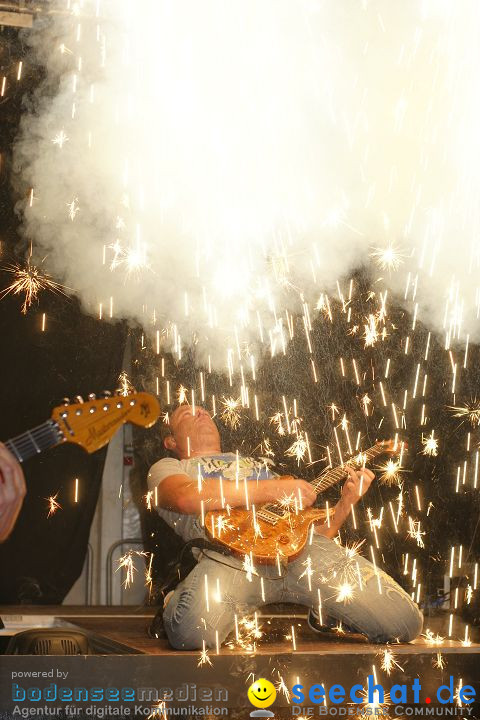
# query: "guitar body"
273,532
243,535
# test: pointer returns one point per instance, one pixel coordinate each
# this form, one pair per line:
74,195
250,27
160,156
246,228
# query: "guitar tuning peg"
78,399
66,401
92,396
106,393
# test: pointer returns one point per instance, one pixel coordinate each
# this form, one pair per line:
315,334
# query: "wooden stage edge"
128,625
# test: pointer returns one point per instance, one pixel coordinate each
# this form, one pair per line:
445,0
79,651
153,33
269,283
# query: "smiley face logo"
262,693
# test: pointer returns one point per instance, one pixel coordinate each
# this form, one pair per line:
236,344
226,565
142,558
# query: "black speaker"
49,641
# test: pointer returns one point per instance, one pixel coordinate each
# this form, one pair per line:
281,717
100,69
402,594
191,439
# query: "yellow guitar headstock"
93,423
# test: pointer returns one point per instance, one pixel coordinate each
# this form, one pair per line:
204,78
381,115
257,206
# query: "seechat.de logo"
261,694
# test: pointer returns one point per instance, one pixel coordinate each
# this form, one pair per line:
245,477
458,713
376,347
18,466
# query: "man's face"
192,433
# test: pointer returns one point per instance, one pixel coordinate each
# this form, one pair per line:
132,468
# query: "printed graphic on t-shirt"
241,468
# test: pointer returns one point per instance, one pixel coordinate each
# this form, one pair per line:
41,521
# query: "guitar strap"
180,566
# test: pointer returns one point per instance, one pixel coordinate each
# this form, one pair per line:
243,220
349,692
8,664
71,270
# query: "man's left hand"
356,485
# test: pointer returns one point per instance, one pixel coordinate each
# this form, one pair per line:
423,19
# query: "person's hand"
356,485
354,488
12,491
287,486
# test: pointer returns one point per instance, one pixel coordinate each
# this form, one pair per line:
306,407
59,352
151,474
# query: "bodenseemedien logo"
262,694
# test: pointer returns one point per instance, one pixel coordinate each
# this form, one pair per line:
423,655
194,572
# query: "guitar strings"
42,436
38,432
321,483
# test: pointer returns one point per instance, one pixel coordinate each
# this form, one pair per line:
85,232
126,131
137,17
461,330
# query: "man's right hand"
285,486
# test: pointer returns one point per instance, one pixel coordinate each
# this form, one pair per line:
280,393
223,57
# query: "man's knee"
186,636
190,625
183,619
404,624
412,623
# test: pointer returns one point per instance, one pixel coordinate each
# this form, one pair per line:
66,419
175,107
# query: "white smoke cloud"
224,157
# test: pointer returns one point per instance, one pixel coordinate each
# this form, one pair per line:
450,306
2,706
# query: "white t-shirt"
229,466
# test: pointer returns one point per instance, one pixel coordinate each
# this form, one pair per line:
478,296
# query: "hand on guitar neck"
353,490
12,491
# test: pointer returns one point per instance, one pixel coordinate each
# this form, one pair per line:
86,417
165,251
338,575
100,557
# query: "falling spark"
222,524
126,561
389,661
182,395
249,567
466,642
53,505
376,707
371,332
439,663
125,387
159,711
281,687
277,420
204,658
31,281
73,209
388,258
133,257
266,448
390,473
365,401
470,411
344,593
230,413
60,139
288,501
308,572
415,532
430,445
352,551
298,448
432,639
149,575
247,633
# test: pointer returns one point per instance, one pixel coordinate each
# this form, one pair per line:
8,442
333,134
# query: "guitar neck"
34,441
331,477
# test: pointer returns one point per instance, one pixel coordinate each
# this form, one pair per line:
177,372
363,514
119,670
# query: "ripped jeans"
351,590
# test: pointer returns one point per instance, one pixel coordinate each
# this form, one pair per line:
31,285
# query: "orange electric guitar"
275,530
90,424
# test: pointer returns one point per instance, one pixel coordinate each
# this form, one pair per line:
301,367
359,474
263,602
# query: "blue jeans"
379,608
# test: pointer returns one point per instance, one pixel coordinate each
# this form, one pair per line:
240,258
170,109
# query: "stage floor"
326,659
128,625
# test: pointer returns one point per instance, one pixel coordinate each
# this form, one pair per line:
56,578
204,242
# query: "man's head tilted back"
192,433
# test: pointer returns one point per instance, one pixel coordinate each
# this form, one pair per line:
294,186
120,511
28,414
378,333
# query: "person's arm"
12,491
354,488
181,494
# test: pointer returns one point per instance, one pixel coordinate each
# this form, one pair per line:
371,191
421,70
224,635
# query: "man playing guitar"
203,607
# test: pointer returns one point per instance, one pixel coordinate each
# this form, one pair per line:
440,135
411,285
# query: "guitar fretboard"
34,441
329,478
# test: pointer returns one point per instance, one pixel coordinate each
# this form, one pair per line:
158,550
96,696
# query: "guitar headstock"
381,447
93,423
391,447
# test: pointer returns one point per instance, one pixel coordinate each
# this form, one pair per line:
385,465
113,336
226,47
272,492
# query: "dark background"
78,354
